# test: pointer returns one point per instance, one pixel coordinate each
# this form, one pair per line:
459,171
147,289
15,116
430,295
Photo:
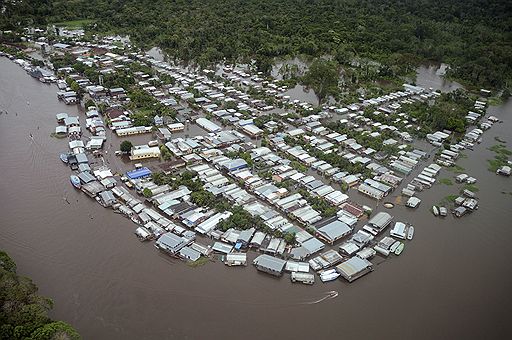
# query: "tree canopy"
323,77
23,313
126,146
473,36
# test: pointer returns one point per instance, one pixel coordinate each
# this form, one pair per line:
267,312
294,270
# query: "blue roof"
138,173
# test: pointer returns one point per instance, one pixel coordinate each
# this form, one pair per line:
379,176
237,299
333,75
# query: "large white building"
144,151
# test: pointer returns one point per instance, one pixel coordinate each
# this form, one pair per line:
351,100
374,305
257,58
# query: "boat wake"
328,296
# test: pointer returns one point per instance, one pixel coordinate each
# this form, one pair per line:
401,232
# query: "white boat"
329,275
410,233
394,246
443,211
399,249
435,210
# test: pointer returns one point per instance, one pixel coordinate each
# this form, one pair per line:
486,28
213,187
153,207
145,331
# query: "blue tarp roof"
138,173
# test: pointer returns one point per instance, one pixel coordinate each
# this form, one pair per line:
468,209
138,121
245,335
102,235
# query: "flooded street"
452,281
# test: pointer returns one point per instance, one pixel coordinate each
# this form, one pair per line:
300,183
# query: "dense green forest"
473,36
23,313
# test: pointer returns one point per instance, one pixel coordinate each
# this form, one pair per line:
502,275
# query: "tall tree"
322,77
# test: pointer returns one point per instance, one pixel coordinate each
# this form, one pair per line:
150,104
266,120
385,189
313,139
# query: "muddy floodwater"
452,281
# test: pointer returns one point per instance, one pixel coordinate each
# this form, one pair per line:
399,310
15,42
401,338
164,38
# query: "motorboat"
75,181
410,232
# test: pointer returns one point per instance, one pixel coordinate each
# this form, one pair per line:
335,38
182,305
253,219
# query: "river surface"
452,281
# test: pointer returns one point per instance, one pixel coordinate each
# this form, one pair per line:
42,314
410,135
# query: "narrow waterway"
452,281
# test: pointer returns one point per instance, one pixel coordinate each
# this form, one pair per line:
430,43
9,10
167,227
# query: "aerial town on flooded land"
226,165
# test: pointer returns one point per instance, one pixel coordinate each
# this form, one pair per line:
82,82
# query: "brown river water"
452,281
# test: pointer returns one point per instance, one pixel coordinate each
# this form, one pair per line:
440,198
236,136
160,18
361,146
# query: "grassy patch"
500,158
457,169
199,262
495,101
448,200
446,181
74,23
471,187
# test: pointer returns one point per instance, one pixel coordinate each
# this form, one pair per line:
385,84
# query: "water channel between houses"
452,281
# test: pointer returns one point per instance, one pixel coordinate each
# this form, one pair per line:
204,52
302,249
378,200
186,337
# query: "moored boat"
399,249
410,233
329,275
394,246
443,211
75,181
64,157
435,210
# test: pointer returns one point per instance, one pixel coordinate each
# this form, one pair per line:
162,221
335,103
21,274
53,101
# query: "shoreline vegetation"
24,313
501,154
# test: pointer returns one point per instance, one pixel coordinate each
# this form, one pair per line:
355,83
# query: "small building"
236,259
378,223
61,130
71,121
293,266
269,264
61,117
399,230
252,130
133,130
313,245
413,202
305,278
107,198
139,173
171,243
187,253
221,247
144,151
163,134
354,268
333,231
504,170
208,125
460,211
158,120
176,127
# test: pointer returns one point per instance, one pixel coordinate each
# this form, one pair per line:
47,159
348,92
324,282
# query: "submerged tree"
322,77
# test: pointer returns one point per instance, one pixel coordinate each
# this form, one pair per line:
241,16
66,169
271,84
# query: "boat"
75,181
329,275
410,232
394,246
399,249
435,210
443,211
64,157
